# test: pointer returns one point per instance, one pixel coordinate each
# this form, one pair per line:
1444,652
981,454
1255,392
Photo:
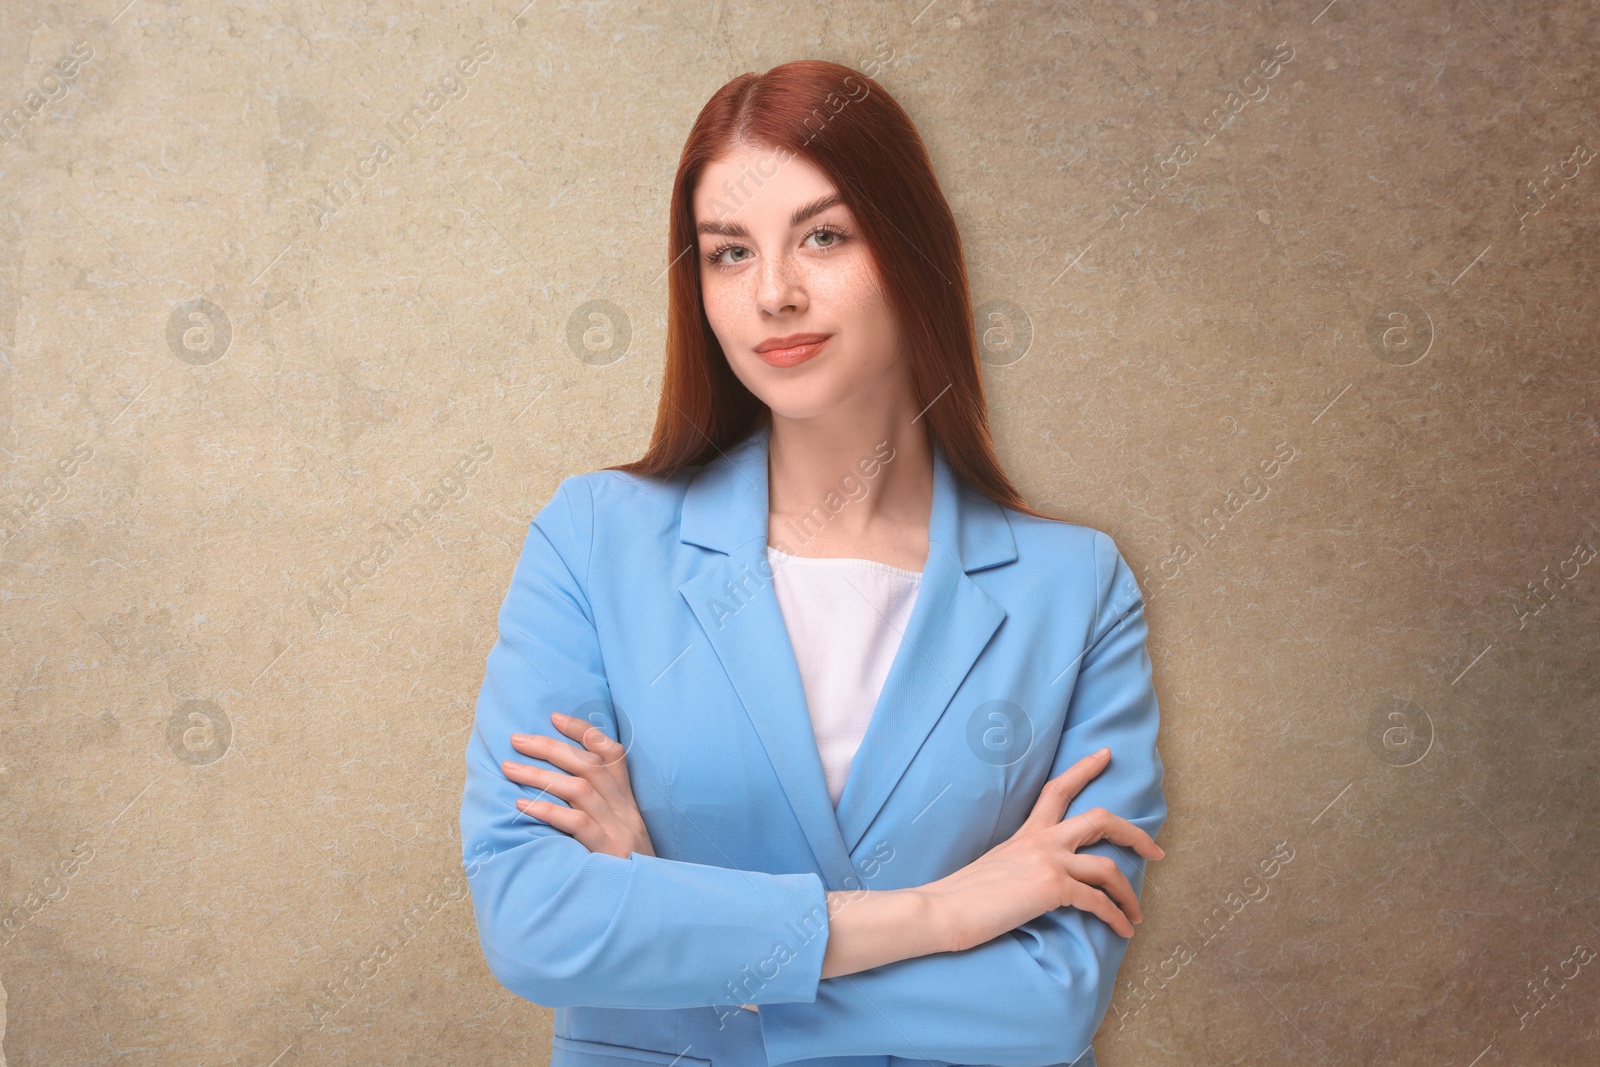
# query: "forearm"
1036,990
868,929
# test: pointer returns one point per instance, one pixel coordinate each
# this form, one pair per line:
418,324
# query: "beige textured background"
230,795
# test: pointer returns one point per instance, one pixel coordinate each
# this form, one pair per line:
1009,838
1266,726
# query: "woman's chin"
787,405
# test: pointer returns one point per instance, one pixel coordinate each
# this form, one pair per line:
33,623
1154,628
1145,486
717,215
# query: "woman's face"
791,291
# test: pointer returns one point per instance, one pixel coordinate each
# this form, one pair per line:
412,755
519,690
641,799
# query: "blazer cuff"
770,944
994,1004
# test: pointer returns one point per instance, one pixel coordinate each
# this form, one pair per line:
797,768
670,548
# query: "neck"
855,475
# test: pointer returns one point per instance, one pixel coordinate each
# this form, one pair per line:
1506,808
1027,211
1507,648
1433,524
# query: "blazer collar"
725,509
726,506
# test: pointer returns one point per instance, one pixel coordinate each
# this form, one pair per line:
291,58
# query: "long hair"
846,125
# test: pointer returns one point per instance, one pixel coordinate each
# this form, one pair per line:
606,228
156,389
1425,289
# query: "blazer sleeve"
1035,995
559,925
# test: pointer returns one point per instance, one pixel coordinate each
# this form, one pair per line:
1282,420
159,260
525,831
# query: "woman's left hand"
603,815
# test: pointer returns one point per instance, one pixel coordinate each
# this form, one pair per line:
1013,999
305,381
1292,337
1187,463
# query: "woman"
787,714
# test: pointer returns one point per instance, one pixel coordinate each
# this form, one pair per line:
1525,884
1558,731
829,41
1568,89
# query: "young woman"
788,714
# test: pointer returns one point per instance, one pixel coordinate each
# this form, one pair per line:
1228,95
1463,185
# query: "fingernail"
558,715
516,738
1103,752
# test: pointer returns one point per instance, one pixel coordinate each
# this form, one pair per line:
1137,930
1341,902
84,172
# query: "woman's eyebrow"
801,213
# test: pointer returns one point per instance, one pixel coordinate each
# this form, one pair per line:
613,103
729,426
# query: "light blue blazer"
646,606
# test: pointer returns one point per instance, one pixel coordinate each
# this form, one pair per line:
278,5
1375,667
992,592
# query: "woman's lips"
789,357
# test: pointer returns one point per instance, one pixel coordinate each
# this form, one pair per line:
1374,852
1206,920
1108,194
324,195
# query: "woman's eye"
715,256
724,254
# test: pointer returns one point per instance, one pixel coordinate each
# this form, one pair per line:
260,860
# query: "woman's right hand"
1037,869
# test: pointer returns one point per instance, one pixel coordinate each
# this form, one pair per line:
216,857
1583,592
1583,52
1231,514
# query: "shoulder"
1059,554
613,499
1063,544
611,491
603,515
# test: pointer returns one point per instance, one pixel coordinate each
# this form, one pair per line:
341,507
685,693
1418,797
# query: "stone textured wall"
1295,301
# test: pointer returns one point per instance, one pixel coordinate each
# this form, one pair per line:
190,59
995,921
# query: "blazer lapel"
950,624
726,508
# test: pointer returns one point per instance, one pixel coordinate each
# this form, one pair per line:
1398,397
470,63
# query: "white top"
845,619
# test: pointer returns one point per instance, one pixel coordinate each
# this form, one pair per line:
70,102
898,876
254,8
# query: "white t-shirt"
845,619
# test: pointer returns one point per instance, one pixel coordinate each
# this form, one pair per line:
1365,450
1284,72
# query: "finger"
1104,872
570,758
1059,791
577,792
577,762
1089,899
604,755
597,800
568,821
1098,824
595,740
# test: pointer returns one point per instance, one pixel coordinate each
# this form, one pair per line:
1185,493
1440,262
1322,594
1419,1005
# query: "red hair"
847,126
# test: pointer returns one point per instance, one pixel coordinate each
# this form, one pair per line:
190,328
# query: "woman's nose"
778,289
